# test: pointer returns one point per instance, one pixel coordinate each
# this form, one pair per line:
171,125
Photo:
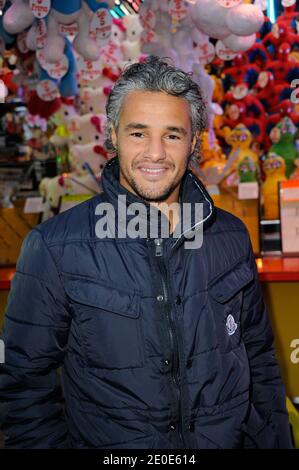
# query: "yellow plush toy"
275,169
240,139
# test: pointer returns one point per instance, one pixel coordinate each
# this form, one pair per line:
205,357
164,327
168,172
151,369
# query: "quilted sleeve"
267,391
35,337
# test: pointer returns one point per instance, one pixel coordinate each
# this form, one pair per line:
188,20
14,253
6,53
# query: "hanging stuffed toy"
67,13
18,17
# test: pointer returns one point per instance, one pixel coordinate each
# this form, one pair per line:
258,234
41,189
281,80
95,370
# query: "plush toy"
169,28
228,24
240,140
112,54
132,43
94,100
18,17
61,120
52,189
94,155
274,168
283,138
4,35
87,128
88,135
62,75
281,33
66,13
284,69
247,171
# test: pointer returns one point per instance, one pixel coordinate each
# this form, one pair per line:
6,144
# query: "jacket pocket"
258,432
109,322
226,299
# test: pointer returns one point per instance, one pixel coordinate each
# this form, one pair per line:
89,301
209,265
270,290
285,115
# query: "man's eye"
137,134
174,137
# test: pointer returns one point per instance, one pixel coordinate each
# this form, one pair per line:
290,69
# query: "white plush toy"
87,129
18,17
93,154
132,45
88,138
168,26
221,22
112,54
52,189
61,120
94,100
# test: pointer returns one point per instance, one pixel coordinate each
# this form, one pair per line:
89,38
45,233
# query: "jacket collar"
191,191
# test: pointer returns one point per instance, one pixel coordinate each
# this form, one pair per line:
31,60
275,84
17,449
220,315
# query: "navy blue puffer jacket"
134,343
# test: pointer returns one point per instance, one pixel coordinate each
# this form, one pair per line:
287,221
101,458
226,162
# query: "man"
164,342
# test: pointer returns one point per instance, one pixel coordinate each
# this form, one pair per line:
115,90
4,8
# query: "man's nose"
156,150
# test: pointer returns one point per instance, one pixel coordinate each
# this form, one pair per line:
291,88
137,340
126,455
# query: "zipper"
172,334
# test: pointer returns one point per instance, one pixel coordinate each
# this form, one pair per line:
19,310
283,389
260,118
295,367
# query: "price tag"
248,190
47,90
69,29
89,70
178,9
223,52
205,53
147,17
59,69
101,24
40,33
148,37
40,8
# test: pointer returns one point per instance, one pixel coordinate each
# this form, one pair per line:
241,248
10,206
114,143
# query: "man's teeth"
153,170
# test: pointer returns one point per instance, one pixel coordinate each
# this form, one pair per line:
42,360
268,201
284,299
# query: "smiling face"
153,141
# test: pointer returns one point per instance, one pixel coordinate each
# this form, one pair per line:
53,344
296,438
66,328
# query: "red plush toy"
43,109
283,68
281,33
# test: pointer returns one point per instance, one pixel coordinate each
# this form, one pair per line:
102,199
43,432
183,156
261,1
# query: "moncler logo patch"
231,325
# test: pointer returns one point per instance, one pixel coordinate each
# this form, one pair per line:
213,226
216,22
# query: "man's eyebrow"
135,125
179,130
139,125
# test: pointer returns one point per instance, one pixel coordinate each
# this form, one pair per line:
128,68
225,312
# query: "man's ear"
193,143
113,136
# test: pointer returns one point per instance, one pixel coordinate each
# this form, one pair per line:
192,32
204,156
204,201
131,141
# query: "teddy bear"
274,168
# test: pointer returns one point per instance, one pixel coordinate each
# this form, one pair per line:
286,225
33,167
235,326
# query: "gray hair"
155,74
